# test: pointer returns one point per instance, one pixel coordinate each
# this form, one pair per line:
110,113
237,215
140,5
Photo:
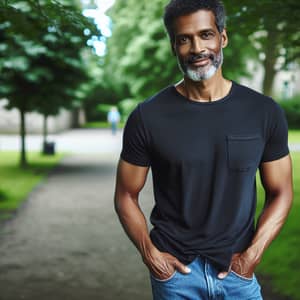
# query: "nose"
197,46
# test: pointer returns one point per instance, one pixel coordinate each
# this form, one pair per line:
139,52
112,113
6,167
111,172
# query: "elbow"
286,197
282,197
123,202
118,200
287,194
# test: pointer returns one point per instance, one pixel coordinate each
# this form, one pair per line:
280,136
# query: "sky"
103,23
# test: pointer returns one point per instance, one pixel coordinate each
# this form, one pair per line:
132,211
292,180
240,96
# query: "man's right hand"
130,181
162,265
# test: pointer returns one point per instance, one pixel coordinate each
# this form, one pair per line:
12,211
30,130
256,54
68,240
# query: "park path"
66,243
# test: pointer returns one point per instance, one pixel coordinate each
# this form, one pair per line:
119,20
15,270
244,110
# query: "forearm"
133,222
269,224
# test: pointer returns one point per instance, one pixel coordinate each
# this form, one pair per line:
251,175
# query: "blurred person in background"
204,139
113,117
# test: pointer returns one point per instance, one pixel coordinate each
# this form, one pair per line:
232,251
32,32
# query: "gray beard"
201,73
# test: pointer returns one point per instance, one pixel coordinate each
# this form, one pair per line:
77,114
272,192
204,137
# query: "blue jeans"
203,284
114,127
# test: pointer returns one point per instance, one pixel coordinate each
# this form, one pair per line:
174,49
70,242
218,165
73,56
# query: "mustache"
192,58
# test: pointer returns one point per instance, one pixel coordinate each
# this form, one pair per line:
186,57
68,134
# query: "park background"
63,64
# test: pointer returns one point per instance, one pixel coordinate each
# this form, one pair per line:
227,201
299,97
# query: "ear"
224,38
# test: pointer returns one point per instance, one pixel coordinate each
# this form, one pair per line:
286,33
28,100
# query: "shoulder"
157,100
257,98
251,93
150,106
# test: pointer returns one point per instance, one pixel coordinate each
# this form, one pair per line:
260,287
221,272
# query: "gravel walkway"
66,243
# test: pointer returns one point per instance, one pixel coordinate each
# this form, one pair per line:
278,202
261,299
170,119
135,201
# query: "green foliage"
140,55
292,111
140,51
3,196
41,66
126,107
273,19
41,45
101,88
270,30
104,108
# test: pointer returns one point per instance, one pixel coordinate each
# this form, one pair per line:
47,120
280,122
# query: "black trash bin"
49,148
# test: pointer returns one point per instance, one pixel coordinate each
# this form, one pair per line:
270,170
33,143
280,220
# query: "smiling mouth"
200,62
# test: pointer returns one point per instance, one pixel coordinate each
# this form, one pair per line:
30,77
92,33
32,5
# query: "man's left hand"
242,264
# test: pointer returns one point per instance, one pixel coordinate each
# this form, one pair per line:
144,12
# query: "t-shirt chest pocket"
243,151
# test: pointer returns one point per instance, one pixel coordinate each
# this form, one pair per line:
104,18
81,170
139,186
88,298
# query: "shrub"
3,196
292,111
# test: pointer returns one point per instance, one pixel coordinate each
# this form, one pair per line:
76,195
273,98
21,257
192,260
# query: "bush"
292,111
3,196
127,106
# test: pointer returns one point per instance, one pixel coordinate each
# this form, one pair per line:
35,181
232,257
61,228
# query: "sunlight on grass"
294,136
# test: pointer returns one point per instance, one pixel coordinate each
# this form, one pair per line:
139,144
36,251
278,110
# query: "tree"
140,54
146,64
100,88
273,29
40,56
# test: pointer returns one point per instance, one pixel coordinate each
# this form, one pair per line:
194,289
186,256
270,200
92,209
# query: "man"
204,139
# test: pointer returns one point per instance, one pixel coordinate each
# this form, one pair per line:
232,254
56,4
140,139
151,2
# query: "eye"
207,35
182,40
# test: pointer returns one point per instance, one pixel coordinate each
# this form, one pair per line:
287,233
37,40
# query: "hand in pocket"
163,265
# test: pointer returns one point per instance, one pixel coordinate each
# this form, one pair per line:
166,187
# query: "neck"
212,89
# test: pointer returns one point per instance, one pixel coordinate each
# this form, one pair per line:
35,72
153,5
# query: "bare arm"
277,181
276,177
129,183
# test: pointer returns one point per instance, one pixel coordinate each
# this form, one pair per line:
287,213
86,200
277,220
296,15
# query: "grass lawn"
101,125
281,260
294,136
16,183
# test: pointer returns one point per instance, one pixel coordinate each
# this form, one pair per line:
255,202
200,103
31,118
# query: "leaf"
18,63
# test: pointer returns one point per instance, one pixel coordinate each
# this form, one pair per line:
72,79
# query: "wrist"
254,254
146,247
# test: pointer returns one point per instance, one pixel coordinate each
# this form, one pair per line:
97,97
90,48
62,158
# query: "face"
198,45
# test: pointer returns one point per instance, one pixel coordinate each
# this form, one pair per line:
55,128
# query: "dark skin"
193,34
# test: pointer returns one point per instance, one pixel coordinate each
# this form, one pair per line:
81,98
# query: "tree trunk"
75,118
23,158
271,52
45,130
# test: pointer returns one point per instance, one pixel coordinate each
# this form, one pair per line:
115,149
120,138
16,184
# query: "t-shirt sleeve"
277,142
135,148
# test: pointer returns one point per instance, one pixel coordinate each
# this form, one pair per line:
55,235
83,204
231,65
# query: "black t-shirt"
204,157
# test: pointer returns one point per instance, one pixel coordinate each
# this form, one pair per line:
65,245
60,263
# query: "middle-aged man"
204,139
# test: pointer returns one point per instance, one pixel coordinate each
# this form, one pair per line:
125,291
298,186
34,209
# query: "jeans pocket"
164,280
242,277
243,151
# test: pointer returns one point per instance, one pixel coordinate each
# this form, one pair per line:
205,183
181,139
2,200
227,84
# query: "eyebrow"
200,31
